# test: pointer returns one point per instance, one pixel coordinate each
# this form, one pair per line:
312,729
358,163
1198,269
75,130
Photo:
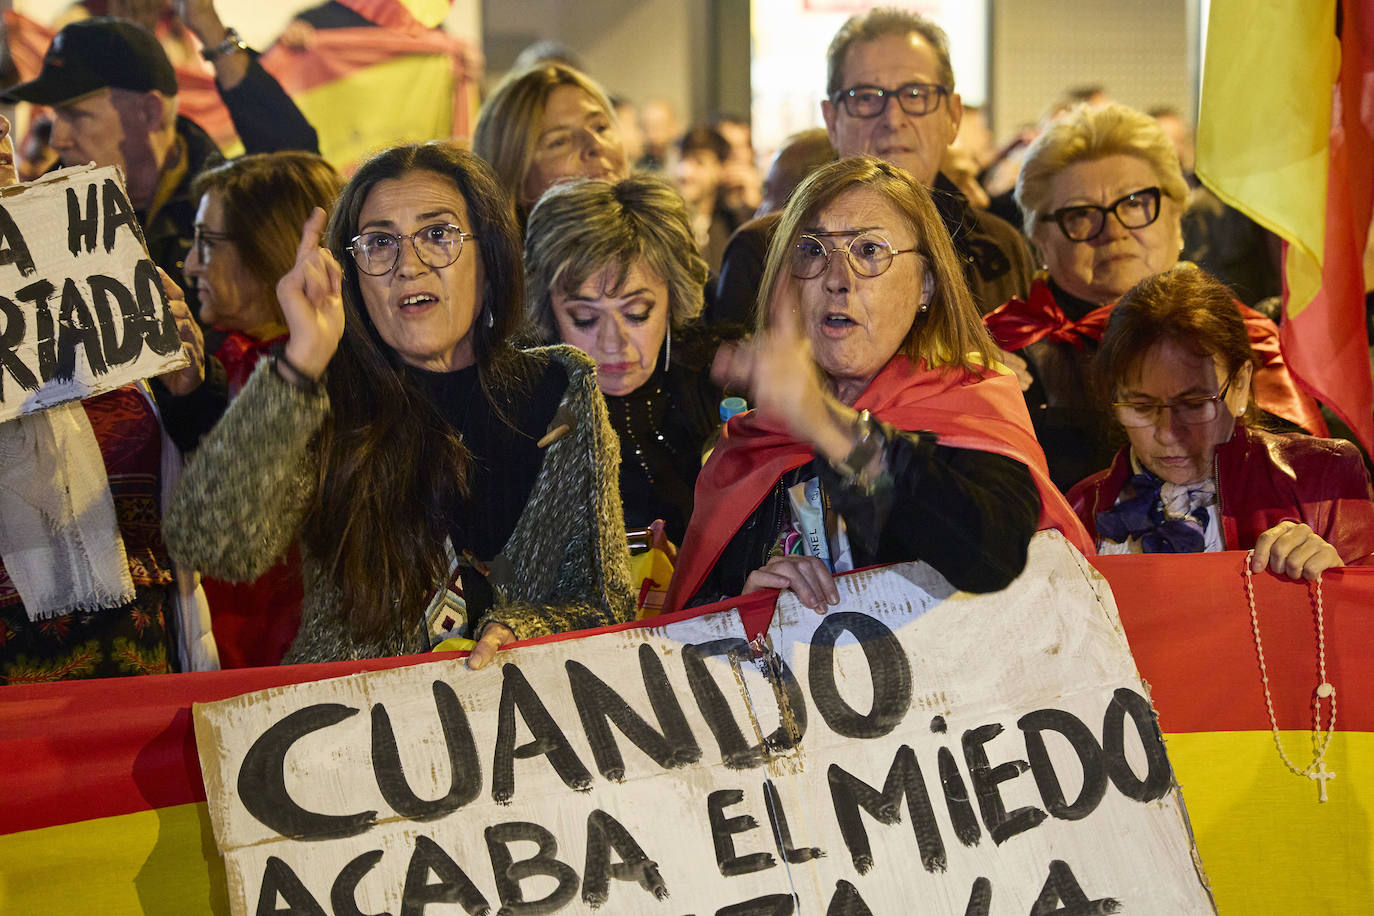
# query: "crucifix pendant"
1322,775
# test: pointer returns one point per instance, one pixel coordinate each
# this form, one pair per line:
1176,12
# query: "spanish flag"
102,809
1286,135
1267,841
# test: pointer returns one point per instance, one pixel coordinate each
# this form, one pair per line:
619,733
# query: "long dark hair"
391,466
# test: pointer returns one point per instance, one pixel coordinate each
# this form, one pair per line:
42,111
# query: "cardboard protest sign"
915,750
82,309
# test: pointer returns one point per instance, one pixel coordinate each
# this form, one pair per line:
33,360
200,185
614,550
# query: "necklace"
642,411
1316,770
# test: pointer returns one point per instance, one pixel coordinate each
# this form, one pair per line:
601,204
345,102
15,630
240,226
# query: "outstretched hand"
778,370
1294,550
776,367
311,300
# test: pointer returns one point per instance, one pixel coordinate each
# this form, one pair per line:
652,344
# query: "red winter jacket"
1263,479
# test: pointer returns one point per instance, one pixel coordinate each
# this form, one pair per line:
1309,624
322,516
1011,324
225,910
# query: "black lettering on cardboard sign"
343,893
670,745
846,901
1062,894
1158,776
723,830
453,884
848,794
548,741
37,294
782,834
888,668
262,779
465,780
123,340
13,249
770,905
76,327
606,835
1002,825
735,750
1090,762
279,882
509,873
11,338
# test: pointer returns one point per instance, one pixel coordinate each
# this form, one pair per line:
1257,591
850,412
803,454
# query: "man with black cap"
113,94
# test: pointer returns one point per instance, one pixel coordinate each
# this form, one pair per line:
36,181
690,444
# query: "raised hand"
184,381
311,300
783,380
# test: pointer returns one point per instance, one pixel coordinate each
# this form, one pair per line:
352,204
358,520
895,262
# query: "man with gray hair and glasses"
890,93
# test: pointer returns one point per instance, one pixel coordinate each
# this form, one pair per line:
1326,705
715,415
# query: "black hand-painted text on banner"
82,308
878,755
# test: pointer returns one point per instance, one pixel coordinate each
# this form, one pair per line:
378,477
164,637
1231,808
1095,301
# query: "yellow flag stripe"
1265,121
407,100
159,861
1267,844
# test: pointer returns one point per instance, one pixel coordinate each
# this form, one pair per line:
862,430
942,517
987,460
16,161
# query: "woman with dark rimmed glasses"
1176,368
1103,198
441,482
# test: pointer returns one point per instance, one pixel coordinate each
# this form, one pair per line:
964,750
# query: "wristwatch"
232,42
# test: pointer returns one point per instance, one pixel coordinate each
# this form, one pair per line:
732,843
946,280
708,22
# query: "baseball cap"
98,53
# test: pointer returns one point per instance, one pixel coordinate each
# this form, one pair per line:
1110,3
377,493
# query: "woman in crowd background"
430,447
546,125
1177,367
611,268
247,227
1103,197
879,433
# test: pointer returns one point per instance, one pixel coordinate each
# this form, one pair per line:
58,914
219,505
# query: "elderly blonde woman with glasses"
441,482
1197,475
1103,198
879,434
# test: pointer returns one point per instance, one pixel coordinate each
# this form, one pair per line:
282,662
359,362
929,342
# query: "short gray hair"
580,228
1086,133
879,23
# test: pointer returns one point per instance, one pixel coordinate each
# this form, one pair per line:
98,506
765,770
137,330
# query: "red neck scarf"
1019,323
977,411
240,353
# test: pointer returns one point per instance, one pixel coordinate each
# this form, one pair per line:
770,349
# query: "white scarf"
58,534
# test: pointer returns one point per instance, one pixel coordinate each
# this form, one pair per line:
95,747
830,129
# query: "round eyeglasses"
869,255
1190,411
1085,222
916,99
439,245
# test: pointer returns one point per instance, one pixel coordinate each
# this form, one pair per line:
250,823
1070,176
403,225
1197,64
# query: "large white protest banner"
915,750
82,309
